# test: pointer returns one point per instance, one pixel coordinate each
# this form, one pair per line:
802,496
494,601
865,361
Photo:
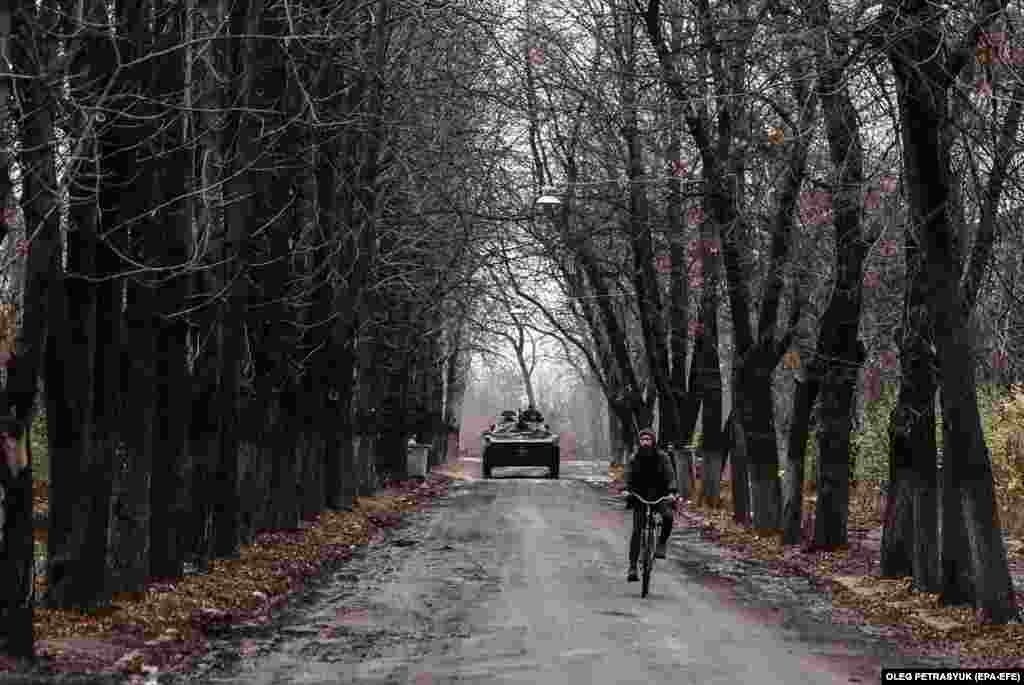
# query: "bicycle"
649,535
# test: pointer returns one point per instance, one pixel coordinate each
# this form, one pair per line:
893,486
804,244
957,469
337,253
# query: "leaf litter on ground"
168,625
892,604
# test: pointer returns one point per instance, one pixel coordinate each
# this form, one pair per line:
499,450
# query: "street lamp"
548,198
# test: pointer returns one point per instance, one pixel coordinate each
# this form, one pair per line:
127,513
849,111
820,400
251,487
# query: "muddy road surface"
523,580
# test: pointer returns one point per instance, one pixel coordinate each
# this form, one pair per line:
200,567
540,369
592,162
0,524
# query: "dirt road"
523,580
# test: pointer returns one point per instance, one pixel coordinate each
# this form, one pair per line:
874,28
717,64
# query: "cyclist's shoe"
659,551
633,576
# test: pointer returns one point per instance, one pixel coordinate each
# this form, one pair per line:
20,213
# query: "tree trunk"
361,210
332,389
271,444
455,382
757,366
345,444
804,395
644,278
741,485
204,439
129,353
294,483
723,166
205,17
325,434
314,474
435,406
367,416
132,513
898,513
334,466
248,469
706,372
838,346
341,429
685,400
17,632
682,459
835,415
923,80
314,437
243,129
366,475
39,205
926,567
78,524
910,533
525,370
394,432
287,462
169,501
957,578
226,504
256,455
82,466
169,504
759,435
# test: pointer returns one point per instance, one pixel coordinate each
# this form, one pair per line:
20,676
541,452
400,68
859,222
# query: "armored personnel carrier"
520,439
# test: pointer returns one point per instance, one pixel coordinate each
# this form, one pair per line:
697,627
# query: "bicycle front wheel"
648,554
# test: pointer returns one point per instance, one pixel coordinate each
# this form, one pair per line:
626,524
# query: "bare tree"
924,73
31,26
722,164
840,353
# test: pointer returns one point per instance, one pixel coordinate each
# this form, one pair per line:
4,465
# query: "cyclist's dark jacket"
650,474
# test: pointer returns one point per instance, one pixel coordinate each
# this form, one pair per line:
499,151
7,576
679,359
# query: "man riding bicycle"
650,475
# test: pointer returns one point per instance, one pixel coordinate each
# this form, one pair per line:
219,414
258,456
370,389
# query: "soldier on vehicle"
531,415
649,474
508,418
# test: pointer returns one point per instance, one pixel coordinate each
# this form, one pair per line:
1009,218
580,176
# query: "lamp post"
549,197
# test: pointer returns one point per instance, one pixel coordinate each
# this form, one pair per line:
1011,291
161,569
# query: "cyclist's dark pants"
665,509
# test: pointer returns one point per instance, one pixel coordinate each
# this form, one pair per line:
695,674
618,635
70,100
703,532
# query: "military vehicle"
514,441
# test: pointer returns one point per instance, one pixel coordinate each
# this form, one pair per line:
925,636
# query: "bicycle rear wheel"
648,554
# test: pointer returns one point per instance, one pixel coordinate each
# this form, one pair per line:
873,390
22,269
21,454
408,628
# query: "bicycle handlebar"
657,501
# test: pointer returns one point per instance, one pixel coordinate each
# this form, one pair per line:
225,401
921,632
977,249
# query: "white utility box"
417,460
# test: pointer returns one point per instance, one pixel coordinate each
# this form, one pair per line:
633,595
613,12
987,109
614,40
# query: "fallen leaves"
859,594
616,472
132,662
168,624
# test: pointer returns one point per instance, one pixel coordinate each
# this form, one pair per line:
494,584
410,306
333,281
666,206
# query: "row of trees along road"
246,229
742,182
255,238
